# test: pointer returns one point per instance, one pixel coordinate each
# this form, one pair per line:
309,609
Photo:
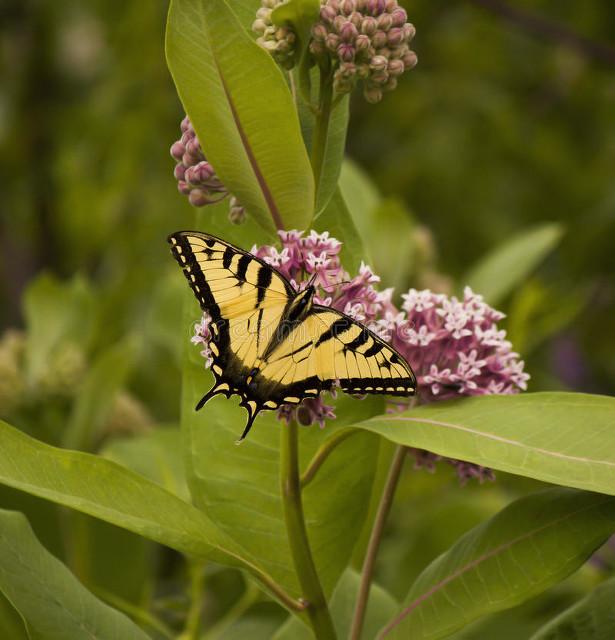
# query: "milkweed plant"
302,507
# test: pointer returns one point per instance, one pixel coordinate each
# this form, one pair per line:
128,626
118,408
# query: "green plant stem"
321,127
323,452
193,621
367,571
290,486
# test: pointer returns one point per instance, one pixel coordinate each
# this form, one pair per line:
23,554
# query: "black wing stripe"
227,257
263,280
242,267
335,330
377,347
360,340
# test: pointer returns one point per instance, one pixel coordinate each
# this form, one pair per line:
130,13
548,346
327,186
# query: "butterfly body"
272,345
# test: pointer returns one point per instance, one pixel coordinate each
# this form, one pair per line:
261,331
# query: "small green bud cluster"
279,41
366,40
196,177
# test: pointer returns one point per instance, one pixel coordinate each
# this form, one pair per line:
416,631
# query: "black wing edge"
180,235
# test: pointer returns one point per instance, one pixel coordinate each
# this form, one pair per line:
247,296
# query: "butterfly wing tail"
219,387
252,409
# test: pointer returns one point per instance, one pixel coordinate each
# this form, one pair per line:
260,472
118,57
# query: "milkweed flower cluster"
364,40
453,345
196,177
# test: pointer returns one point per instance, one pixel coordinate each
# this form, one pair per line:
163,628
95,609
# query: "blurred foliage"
495,133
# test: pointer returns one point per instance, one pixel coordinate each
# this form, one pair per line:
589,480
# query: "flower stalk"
321,127
290,485
367,572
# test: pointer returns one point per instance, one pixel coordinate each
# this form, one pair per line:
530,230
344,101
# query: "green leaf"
110,492
104,379
530,545
157,455
505,268
243,112
592,618
49,598
381,606
563,438
238,486
11,624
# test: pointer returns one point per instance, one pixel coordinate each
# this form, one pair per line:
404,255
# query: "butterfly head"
302,303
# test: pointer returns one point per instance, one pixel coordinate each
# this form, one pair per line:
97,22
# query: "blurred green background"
499,129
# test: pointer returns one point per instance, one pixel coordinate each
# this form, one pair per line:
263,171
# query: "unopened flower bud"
369,26
379,39
395,67
259,26
185,124
410,60
332,42
356,19
390,84
198,198
409,31
327,14
375,7
179,172
378,63
347,70
346,52
348,32
347,7
385,21
363,71
395,36
319,32
379,77
398,17
362,43
178,150
390,5
372,94
237,213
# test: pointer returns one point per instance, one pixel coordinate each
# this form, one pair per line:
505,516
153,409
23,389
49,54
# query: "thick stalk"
290,485
321,127
367,573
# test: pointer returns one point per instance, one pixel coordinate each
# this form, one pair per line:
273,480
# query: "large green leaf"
242,110
239,486
507,266
592,618
380,607
530,545
52,602
564,438
106,490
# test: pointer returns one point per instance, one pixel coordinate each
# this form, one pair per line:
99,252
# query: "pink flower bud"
390,5
395,36
348,32
357,19
198,198
385,21
347,7
379,77
332,42
409,31
319,32
369,26
410,60
346,52
378,63
362,43
399,17
347,70
372,94
395,68
327,14
185,124
317,48
179,172
183,187
193,147
379,39
375,7
178,150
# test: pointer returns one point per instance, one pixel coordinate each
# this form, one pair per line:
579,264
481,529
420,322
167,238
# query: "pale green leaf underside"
592,618
530,545
52,602
563,438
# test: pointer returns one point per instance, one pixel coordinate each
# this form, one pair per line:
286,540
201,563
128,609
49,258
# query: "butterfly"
273,345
